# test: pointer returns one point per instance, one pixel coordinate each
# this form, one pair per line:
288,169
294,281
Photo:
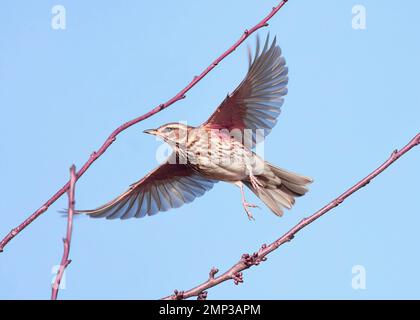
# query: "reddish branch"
67,240
247,261
181,95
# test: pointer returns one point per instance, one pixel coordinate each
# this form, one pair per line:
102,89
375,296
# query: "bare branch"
247,260
96,154
67,240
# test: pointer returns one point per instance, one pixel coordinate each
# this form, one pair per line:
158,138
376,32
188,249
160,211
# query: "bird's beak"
150,131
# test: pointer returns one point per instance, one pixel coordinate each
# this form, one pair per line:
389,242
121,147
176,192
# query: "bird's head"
172,133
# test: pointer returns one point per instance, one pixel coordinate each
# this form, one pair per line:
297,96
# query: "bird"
220,149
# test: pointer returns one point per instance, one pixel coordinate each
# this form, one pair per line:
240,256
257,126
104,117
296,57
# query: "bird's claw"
256,184
248,212
250,216
250,205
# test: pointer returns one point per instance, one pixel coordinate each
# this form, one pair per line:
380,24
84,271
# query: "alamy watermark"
54,271
358,281
58,20
358,21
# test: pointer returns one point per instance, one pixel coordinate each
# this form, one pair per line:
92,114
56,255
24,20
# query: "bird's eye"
168,129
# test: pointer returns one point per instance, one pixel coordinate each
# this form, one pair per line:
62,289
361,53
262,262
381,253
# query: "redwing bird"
210,153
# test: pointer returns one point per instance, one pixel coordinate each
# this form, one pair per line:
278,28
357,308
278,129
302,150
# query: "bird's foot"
247,205
255,182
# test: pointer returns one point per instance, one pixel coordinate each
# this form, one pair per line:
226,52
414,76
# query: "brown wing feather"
168,186
256,102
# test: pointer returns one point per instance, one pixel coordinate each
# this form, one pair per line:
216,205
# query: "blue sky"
353,98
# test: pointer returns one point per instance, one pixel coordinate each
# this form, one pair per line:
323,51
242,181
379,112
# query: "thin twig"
67,240
247,261
181,95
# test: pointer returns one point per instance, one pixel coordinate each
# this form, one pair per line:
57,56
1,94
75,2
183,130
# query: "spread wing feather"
256,102
168,186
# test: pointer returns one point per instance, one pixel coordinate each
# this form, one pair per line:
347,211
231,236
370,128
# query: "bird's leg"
245,204
254,181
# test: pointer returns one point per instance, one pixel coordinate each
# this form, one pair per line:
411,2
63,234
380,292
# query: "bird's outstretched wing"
168,186
256,102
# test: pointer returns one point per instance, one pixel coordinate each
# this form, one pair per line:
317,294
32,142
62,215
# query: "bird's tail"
279,187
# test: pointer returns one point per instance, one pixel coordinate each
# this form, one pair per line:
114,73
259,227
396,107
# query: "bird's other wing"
256,102
168,186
